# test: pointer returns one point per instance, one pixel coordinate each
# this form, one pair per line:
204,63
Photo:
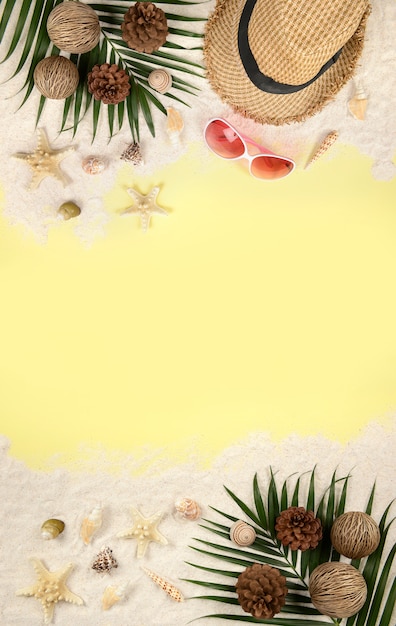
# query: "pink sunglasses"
225,141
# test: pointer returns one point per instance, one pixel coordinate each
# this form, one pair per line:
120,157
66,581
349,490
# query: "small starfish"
44,161
145,206
50,588
144,530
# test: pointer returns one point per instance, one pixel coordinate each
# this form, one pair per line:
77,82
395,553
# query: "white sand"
117,482
374,137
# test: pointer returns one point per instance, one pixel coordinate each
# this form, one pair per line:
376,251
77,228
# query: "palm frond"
295,566
30,40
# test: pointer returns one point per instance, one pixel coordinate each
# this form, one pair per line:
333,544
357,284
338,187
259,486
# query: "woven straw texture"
355,534
56,77
337,589
290,40
73,27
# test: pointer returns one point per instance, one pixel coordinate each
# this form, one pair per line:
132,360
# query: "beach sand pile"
374,137
118,483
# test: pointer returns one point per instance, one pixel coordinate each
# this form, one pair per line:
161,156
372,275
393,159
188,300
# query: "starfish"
145,206
44,161
144,530
50,588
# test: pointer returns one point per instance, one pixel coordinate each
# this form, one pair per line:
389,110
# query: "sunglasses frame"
250,157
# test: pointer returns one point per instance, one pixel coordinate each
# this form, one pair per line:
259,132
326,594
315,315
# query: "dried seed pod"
56,77
51,528
337,589
355,534
73,27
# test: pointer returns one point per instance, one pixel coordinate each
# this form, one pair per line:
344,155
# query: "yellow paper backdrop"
252,306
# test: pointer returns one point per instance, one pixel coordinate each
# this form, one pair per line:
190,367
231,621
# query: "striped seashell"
188,508
242,533
323,147
91,524
170,589
160,80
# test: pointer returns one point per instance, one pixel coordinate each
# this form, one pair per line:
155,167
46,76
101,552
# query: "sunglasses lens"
270,167
223,140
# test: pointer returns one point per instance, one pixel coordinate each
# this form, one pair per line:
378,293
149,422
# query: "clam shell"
160,80
188,508
242,533
93,165
51,528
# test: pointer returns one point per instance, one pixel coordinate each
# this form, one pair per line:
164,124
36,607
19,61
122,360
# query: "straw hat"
260,54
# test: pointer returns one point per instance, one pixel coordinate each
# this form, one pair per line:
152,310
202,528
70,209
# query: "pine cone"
145,27
108,83
298,528
261,590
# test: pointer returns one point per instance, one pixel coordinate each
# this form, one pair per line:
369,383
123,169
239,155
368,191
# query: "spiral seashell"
91,524
113,594
174,125
188,508
242,534
172,591
160,80
51,528
93,165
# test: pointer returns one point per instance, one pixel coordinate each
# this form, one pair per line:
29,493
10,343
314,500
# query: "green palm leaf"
30,40
296,567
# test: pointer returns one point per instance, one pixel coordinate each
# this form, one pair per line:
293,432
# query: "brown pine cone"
298,528
261,590
108,83
145,27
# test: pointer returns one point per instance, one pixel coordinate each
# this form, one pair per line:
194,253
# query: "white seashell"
91,524
170,589
51,528
93,165
113,594
188,508
160,80
357,105
174,125
242,533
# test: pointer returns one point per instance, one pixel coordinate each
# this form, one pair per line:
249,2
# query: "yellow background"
252,306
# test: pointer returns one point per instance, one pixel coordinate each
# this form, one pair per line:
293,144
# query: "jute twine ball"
56,77
337,589
73,27
355,534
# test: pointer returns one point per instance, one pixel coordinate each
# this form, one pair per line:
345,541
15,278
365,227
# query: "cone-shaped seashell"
93,165
174,125
51,528
170,589
104,561
113,594
160,80
188,508
324,146
68,210
357,105
132,154
91,524
242,533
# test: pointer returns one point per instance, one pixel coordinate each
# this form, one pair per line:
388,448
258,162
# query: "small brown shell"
188,508
160,80
242,533
51,528
68,210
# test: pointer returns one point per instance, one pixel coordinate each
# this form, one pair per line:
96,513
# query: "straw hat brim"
229,80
